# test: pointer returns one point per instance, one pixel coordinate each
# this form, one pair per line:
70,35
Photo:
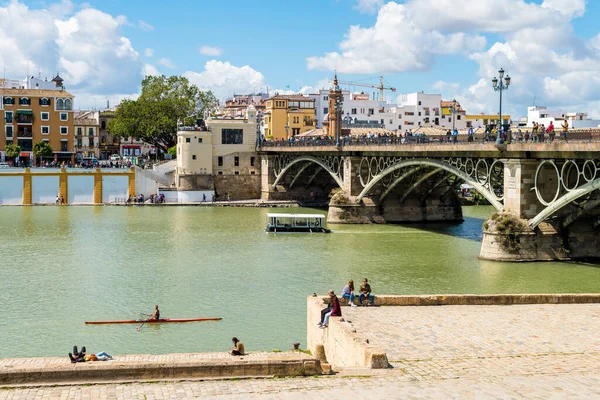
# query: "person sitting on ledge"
336,310
77,356
365,292
348,293
238,347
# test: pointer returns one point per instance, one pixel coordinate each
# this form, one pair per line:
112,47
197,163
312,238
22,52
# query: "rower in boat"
155,314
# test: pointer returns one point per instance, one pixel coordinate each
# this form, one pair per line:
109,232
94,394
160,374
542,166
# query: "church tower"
336,110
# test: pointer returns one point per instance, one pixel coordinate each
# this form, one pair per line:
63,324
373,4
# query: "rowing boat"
152,321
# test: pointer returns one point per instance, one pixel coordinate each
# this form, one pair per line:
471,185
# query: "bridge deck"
557,150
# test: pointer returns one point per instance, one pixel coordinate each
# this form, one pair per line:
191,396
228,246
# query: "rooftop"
34,92
292,97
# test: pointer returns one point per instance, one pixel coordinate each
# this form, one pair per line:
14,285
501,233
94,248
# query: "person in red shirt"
550,131
336,310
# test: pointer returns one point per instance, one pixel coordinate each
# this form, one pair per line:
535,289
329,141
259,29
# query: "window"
188,140
64,145
419,103
353,111
193,156
64,116
103,125
64,130
79,142
45,130
325,110
8,117
9,131
325,98
79,131
220,161
252,172
24,101
44,101
236,173
9,101
90,131
371,111
252,161
220,173
68,104
419,113
91,142
45,116
46,140
236,161
458,117
232,136
199,140
60,104
178,150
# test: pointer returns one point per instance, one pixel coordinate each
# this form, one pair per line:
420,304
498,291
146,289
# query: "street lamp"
453,115
339,111
287,129
499,86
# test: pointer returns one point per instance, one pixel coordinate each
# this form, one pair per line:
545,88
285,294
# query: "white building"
415,110
359,110
543,116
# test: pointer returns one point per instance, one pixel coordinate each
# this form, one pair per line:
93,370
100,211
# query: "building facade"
287,116
477,121
221,159
109,144
543,116
28,116
87,126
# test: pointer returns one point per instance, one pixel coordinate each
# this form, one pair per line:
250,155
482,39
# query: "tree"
173,151
13,151
42,149
164,102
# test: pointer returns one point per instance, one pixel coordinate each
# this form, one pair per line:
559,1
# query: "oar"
140,327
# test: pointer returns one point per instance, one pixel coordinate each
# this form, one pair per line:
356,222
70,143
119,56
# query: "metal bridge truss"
575,180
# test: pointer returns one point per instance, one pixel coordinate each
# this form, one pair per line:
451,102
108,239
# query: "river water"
62,266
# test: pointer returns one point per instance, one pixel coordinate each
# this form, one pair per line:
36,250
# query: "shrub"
508,228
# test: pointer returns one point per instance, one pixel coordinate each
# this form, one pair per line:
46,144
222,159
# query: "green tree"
173,151
42,149
13,151
164,102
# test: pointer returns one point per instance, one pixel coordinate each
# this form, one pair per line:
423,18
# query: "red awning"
23,154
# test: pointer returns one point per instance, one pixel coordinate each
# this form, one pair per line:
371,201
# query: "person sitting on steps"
238,347
348,293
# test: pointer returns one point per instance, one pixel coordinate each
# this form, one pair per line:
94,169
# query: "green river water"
61,266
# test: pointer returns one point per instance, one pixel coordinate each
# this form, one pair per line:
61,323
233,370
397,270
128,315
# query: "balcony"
24,132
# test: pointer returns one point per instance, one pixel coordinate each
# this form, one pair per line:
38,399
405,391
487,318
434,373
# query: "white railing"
151,175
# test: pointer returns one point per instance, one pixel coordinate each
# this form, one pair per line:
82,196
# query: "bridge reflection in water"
547,192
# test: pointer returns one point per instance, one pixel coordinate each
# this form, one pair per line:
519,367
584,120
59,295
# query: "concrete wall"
187,196
81,190
239,187
114,187
11,190
44,189
145,185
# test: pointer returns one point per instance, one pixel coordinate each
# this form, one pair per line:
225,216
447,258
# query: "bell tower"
336,110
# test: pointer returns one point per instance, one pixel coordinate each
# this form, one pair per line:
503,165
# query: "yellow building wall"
278,115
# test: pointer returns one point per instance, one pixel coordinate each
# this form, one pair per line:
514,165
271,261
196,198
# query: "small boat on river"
309,223
152,321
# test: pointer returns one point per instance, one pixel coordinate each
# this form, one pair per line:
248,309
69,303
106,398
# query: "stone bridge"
546,194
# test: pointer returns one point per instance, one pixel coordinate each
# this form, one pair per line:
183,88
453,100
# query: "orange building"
28,116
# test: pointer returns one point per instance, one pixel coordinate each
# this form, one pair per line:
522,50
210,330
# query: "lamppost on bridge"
500,86
287,130
453,111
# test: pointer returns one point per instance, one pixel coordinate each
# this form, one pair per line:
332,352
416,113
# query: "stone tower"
333,120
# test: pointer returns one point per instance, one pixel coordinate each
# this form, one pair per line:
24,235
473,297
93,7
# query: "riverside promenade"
518,351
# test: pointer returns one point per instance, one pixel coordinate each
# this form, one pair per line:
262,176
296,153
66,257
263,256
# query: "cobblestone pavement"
386,386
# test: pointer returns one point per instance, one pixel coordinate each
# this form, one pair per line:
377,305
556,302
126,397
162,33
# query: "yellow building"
483,120
288,115
28,116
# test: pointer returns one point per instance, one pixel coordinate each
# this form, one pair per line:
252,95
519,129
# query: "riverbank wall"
131,368
341,345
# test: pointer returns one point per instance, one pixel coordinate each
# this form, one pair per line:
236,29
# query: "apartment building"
87,126
288,115
30,115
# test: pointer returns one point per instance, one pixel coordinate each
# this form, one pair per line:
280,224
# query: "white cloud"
535,43
368,6
166,62
149,52
211,51
225,79
145,26
150,70
85,45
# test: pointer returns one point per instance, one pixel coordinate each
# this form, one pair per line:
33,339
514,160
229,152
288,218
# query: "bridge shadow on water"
470,228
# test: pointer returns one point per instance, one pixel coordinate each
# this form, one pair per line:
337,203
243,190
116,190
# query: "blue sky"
550,47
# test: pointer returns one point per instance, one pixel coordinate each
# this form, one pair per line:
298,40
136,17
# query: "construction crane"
380,86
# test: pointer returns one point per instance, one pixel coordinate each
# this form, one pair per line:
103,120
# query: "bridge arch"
564,201
315,160
435,164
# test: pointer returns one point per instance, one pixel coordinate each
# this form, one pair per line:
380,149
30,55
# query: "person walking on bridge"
565,129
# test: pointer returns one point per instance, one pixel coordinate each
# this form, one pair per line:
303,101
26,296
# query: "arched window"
9,100
24,101
44,101
68,104
60,104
